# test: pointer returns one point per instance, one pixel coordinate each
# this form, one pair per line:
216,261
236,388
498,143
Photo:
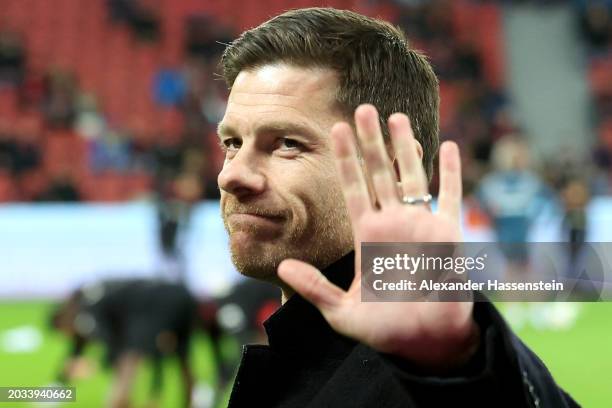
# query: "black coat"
308,364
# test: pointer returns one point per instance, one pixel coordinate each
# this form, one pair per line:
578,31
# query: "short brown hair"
371,57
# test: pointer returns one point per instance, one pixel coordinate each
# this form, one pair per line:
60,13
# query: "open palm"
435,335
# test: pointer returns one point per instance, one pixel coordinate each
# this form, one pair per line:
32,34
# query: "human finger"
375,154
449,199
413,180
311,284
352,179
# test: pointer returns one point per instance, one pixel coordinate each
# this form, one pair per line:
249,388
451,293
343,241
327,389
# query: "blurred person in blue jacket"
512,195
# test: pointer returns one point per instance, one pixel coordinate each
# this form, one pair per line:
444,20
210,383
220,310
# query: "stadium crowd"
170,152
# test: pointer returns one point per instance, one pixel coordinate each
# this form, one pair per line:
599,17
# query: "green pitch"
575,343
38,366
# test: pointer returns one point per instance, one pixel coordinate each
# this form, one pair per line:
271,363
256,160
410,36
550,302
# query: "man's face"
280,192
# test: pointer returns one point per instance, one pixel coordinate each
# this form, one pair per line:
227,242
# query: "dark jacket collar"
298,325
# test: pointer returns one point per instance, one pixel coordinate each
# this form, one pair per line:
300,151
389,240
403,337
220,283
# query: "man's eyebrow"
272,128
285,128
223,129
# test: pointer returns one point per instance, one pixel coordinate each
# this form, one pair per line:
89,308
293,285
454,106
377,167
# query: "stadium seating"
119,70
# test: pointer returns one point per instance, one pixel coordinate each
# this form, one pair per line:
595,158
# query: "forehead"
283,92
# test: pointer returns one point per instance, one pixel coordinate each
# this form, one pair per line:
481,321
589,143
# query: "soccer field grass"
575,343
37,360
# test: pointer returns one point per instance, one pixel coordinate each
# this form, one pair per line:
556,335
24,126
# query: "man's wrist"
449,357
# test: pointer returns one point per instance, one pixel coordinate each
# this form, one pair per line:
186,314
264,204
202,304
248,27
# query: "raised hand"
435,335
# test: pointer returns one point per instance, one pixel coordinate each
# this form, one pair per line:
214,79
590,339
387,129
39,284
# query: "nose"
241,176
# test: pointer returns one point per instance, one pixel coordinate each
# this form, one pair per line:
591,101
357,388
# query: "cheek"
322,196
308,187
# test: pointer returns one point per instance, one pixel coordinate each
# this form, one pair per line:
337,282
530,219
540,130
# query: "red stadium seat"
138,184
8,103
600,76
491,44
113,186
8,191
110,63
448,104
481,25
64,151
32,184
108,187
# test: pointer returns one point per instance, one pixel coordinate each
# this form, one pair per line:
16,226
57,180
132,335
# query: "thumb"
311,284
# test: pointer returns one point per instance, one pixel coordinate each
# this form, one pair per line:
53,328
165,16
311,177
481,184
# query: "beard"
325,237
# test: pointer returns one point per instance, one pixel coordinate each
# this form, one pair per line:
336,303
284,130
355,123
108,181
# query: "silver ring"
426,199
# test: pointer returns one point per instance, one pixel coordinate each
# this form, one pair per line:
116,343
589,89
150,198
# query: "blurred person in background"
8,148
169,87
575,197
512,196
134,319
141,19
595,21
28,155
237,316
60,99
241,313
600,182
12,59
61,188
178,186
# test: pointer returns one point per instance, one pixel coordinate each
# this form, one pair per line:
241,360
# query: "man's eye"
231,143
290,144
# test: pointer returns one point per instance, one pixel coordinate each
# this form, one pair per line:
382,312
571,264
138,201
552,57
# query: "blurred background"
109,157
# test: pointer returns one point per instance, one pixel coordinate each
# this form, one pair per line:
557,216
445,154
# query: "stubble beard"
326,239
